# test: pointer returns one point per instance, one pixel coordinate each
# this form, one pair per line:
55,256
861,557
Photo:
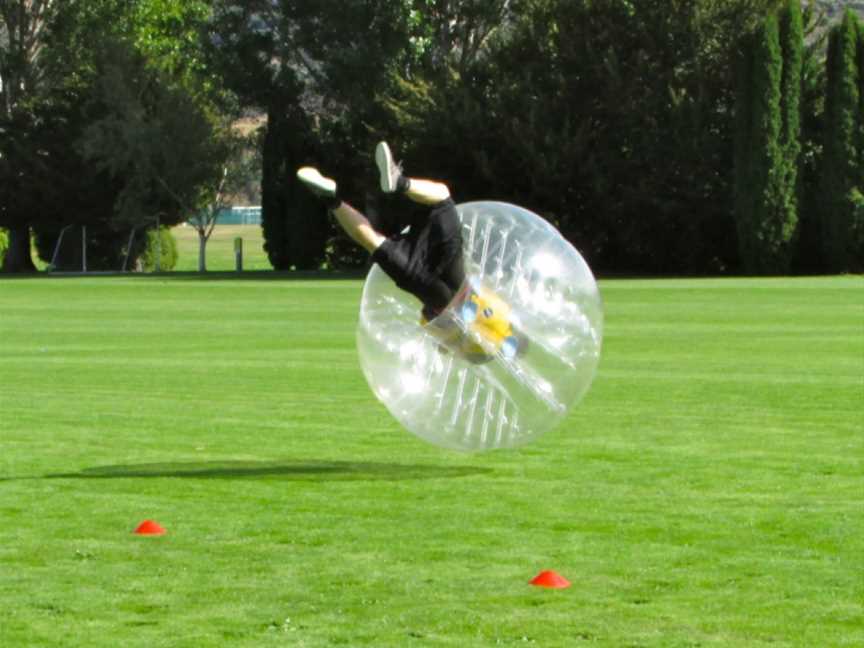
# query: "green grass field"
709,491
220,248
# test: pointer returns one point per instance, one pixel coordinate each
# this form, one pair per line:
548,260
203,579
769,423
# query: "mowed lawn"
709,491
220,254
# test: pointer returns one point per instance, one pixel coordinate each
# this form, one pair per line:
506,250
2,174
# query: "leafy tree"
611,119
168,34
252,46
51,185
435,103
164,145
48,186
237,168
75,39
315,70
842,170
614,120
23,25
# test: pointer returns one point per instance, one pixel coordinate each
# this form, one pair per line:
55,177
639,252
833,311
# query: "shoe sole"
317,182
384,160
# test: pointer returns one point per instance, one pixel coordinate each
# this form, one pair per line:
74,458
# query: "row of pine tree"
769,183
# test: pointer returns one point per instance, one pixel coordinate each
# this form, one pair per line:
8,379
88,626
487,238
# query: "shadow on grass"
282,470
215,275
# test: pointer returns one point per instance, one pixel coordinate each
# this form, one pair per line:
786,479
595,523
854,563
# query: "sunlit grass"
220,255
708,491
220,248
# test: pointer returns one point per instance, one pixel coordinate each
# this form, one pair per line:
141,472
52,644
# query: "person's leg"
425,192
394,256
355,224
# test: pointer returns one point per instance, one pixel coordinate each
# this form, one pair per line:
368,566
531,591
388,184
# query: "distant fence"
238,216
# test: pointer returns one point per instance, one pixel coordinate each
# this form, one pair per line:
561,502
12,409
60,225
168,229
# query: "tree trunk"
202,252
18,258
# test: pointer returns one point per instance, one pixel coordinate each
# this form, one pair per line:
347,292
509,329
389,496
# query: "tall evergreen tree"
743,195
768,145
860,174
809,257
294,226
842,169
761,182
792,46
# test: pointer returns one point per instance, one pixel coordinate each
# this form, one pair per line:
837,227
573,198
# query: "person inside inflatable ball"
424,257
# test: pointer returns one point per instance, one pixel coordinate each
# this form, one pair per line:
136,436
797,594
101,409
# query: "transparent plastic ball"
510,355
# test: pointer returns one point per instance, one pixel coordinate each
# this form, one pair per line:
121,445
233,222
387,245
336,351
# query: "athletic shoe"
317,183
387,167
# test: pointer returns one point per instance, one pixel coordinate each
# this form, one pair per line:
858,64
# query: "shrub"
856,238
4,244
164,239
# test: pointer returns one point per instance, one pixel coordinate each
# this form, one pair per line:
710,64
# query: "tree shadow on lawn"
213,275
281,470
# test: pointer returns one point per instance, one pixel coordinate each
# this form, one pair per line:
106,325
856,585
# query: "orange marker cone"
149,527
551,580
